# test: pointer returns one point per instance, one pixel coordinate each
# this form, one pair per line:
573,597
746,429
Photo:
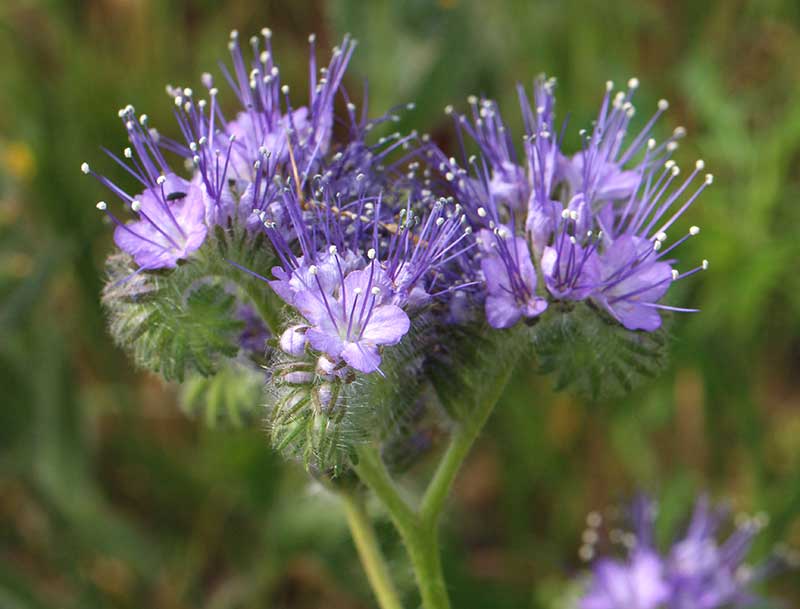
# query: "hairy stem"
370,553
419,529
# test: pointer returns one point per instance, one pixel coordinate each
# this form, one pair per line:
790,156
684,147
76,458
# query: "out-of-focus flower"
703,568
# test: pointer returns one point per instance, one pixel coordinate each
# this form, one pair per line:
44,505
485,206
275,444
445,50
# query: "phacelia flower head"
703,568
354,271
593,225
238,165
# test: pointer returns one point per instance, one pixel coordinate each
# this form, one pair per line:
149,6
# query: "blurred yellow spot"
17,159
16,264
448,4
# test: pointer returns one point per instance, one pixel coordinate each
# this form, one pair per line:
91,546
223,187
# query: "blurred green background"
111,497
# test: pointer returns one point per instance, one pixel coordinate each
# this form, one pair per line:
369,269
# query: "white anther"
234,34
573,215
594,519
651,143
471,99
351,107
312,270
213,91
705,265
312,38
676,170
675,274
285,89
481,212
709,178
694,230
160,180
439,221
672,146
332,250
657,245
266,32
85,168
448,109
449,176
357,291
371,253
609,85
669,164
633,83
572,240
700,164
663,104
375,290
187,92
101,205
136,205
679,132
586,553
565,214
662,236
143,119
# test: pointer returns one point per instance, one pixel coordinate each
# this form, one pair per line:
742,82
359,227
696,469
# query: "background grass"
110,497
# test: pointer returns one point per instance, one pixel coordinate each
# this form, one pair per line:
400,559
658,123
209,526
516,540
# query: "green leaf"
233,396
183,320
594,355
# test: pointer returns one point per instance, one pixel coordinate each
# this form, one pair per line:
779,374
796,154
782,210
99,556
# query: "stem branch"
370,553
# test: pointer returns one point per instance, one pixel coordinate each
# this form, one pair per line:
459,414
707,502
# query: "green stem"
369,552
419,529
421,541
461,441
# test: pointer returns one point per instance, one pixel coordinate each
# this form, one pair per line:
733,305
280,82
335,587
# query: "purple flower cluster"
699,571
591,225
369,234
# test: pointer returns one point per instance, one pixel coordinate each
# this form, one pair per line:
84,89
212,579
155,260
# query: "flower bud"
293,340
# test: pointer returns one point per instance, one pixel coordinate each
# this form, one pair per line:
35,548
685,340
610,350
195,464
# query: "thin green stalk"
370,553
461,441
419,529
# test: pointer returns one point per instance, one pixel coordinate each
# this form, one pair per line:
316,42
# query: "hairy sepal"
320,419
593,355
183,320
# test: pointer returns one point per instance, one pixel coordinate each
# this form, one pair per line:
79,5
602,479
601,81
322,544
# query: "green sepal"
592,354
321,421
183,320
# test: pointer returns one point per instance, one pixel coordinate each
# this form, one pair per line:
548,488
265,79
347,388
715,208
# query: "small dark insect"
175,195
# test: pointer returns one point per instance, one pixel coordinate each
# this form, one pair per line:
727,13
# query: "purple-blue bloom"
701,570
354,319
510,279
594,223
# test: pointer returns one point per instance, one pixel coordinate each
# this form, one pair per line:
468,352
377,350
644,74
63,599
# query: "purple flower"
510,279
355,319
255,334
571,271
699,571
602,179
636,584
171,225
632,281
